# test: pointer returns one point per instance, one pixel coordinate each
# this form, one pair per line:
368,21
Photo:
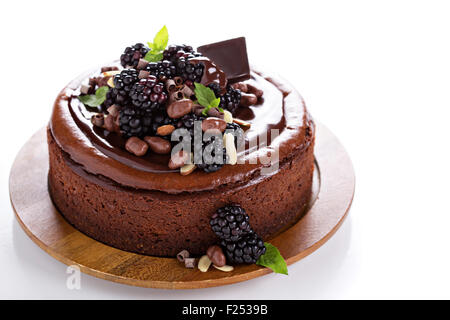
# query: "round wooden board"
334,185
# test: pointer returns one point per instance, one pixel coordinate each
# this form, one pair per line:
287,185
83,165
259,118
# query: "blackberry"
173,52
206,164
148,93
230,223
246,250
189,71
131,55
230,100
179,56
161,118
162,70
124,81
111,96
134,121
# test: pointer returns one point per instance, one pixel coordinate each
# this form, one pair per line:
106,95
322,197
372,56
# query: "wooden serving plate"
334,185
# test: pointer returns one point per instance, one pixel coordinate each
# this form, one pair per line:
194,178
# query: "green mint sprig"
94,100
273,259
157,47
206,97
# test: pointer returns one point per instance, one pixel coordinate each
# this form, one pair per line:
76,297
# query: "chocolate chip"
136,146
158,145
215,254
98,120
248,99
178,159
165,130
182,255
179,108
213,123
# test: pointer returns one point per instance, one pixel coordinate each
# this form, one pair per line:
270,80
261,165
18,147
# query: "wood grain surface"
334,184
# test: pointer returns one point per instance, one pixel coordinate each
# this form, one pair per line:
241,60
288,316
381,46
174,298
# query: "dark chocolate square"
230,56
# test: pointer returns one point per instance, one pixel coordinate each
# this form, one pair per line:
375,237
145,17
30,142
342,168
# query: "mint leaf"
157,47
206,97
153,57
272,259
161,39
94,100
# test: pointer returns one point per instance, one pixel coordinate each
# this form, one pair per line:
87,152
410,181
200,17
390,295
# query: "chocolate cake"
115,173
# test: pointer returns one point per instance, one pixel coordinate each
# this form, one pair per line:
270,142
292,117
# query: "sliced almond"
230,148
204,263
244,124
110,82
225,268
110,73
187,169
227,116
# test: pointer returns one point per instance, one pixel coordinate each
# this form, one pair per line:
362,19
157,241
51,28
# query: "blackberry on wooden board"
247,250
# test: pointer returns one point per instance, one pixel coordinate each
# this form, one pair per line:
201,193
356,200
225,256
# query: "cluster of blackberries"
162,70
230,100
132,55
179,56
239,242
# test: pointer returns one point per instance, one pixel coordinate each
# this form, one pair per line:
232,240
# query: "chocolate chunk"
142,64
198,109
136,146
158,145
215,254
240,86
248,99
143,74
230,56
252,89
213,123
111,123
106,69
215,112
179,108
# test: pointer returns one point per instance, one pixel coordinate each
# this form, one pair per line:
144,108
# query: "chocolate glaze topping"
212,73
102,153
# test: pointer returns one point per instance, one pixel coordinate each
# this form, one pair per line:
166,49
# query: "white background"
377,73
